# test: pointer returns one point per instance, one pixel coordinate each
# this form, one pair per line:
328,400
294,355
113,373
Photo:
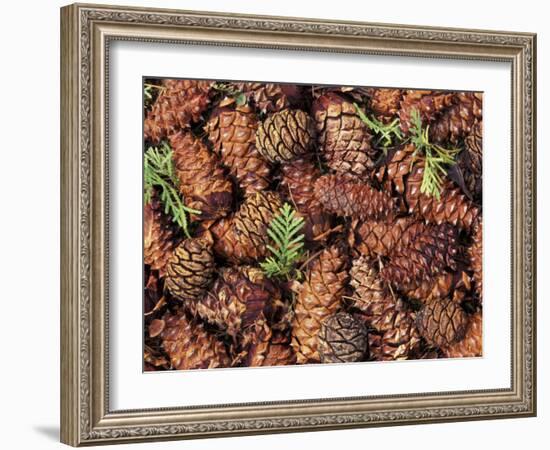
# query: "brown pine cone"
428,254
453,207
429,104
265,347
400,342
472,344
442,322
190,270
404,173
341,195
242,237
159,236
475,253
457,120
441,286
154,360
179,105
319,297
371,294
471,159
285,135
233,136
344,140
238,298
385,103
392,328
270,97
152,292
379,237
297,187
190,346
342,339
394,174
202,181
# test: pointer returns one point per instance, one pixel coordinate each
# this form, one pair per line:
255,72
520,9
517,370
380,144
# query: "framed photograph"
277,225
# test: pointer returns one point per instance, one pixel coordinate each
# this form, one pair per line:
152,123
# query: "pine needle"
158,172
387,134
436,158
284,230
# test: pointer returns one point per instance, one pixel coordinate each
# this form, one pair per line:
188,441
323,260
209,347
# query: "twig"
307,261
336,229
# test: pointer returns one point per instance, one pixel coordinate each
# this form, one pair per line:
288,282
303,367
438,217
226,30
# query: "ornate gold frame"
86,31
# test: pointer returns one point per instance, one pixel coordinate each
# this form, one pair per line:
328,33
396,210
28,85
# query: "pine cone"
442,322
264,347
190,346
458,119
238,298
242,238
472,344
429,104
453,207
392,328
270,97
441,286
233,136
400,342
152,292
471,159
427,255
201,179
159,236
190,270
297,185
153,354
342,339
385,103
405,174
285,135
154,360
475,253
371,295
178,106
319,297
345,197
379,237
394,174
344,140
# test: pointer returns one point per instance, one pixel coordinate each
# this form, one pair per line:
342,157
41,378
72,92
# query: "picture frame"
87,31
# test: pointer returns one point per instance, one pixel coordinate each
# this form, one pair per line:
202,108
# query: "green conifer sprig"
149,92
436,158
284,230
387,134
159,173
231,91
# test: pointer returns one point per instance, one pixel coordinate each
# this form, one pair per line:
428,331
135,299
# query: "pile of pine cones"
387,271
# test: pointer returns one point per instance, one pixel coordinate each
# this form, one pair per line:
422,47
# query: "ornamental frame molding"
87,31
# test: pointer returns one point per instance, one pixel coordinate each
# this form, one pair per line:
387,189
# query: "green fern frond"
387,134
284,230
158,172
436,158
